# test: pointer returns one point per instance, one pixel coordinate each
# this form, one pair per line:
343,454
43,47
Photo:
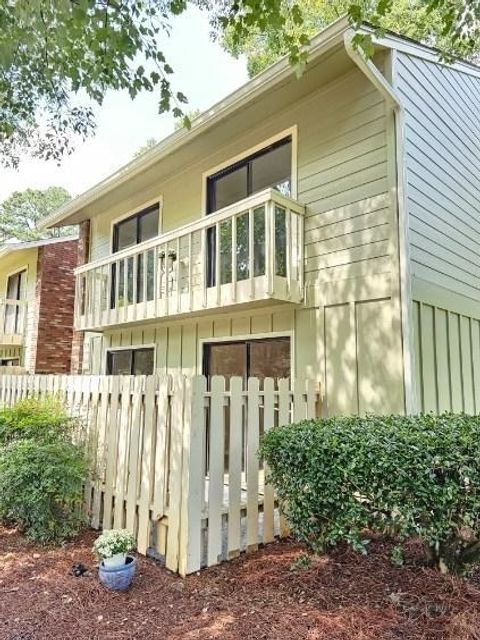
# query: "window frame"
131,213
132,348
248,337
247,154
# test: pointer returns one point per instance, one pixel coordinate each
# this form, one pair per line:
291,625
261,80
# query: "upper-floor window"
137,228
270,167
16,284
14,312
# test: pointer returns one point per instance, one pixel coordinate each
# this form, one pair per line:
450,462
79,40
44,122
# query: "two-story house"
326,226
37,285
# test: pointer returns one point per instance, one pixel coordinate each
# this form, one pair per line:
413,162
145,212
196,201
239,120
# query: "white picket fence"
174,459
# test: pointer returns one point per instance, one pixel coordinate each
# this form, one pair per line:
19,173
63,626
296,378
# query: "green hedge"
42,471
406,477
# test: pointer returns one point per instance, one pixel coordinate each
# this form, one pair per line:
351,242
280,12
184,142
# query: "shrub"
42,472
416,476
44,420
113,541
41,488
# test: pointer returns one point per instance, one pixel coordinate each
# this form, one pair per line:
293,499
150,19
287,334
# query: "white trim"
13,273
131,347
393,101
136,211
289,132
419,50
321,43
34,244
249,337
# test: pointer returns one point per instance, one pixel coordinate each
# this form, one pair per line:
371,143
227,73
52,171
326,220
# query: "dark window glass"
138,228
148,225
130,362
119,362
142,362
271,167
127,233
260,358
230,188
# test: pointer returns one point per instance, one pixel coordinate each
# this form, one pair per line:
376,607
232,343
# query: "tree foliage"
58,58
21,214
149,144
341,479
417,19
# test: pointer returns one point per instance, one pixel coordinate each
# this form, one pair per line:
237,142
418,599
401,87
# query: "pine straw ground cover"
342,596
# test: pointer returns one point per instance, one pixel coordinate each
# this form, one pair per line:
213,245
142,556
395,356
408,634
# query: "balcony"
13,316
249,252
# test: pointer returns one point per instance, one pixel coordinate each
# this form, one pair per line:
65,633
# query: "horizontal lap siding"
443,160
342,178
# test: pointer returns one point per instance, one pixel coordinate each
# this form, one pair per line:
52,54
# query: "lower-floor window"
128,362
261,358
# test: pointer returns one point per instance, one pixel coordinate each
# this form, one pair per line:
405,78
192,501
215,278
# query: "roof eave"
321,43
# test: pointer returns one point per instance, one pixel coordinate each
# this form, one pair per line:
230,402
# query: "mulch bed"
342,596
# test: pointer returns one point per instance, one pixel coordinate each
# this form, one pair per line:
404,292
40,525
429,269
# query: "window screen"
130,362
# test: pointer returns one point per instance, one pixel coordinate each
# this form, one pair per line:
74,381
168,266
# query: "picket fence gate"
174,458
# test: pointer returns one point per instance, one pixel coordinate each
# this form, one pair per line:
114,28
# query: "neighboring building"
37,287
324,227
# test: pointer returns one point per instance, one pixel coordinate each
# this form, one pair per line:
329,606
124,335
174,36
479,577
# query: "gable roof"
11,247
278,72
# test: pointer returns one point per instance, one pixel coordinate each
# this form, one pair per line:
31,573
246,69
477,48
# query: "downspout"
368,68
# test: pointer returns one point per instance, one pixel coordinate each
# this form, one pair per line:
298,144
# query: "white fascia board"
259,85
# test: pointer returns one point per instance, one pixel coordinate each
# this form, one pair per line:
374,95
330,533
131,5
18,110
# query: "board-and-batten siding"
443,160
447,359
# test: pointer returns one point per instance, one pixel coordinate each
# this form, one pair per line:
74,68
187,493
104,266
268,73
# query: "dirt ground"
342,596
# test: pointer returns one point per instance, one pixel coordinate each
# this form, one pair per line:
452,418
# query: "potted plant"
116,568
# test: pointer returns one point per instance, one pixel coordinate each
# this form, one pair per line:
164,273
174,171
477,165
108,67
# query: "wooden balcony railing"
248,252
13,317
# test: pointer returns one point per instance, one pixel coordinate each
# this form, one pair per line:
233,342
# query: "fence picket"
176,445
123,437
146,478
133,454
193,477
111,453
268,491
216,450
253,425
235,466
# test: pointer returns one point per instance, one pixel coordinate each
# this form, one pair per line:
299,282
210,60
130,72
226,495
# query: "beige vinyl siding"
352,349
443,160
342,178
347,336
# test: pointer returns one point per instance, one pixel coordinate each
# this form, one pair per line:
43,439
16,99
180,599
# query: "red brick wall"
83,254
55,299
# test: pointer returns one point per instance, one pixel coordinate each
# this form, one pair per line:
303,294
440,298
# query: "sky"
202,71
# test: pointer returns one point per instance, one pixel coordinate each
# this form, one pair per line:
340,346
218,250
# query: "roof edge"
274,74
